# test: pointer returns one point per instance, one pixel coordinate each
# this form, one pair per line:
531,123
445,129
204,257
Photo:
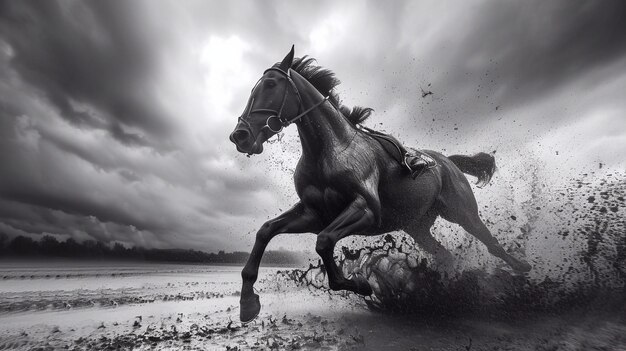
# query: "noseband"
276,121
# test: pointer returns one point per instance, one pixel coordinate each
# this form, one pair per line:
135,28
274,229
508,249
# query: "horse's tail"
480,165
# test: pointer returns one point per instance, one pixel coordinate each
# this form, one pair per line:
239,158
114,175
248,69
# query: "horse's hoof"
362,286
249,308
521,266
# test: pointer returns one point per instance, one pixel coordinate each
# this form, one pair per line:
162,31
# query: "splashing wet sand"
588,272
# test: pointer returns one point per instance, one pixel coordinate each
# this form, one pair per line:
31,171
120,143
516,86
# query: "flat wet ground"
171,307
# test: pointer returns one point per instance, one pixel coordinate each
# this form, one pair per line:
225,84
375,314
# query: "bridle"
275,122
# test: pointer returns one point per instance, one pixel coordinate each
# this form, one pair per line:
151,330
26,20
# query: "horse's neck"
323,129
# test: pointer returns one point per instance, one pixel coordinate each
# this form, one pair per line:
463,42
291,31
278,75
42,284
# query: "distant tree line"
49,246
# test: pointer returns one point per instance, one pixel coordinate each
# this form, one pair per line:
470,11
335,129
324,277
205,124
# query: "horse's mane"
324,80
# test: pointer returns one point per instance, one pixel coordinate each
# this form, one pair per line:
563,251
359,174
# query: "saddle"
415,161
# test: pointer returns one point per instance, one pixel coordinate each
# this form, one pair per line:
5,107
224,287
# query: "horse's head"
273,100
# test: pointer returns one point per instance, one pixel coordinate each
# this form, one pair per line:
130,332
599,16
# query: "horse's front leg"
357,217
298,219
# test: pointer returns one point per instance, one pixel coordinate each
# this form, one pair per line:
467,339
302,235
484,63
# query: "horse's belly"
405,200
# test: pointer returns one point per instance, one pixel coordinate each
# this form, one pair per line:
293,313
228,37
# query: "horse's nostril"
239,135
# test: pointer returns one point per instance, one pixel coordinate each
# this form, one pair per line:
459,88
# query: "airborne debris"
426,93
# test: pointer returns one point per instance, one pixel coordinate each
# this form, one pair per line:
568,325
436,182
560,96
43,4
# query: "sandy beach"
96,306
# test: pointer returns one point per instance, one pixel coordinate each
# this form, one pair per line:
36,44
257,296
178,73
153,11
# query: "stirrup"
415,167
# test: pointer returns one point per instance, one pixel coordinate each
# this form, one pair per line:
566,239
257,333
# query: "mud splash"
582,223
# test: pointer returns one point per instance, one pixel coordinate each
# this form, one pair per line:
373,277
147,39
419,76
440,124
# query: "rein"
276,122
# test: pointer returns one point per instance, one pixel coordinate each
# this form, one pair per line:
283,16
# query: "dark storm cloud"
92,54
99,66
534,47
79,206
500,51
30,220
114,116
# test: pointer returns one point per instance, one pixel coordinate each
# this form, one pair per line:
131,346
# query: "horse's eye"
270,83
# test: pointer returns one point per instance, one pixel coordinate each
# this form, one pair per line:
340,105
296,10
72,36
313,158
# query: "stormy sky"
115,115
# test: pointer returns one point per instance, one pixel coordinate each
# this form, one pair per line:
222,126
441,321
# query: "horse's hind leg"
475,226
458,205
420,232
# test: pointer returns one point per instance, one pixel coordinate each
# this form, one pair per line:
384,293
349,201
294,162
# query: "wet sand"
196,308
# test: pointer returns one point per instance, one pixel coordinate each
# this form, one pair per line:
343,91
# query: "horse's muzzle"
240,136
245,142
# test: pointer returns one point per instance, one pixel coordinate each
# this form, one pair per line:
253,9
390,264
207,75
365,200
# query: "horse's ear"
287,61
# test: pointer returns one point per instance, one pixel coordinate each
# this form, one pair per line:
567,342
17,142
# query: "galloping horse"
346,181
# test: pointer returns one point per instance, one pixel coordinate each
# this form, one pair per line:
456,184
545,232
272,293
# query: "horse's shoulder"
310,193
